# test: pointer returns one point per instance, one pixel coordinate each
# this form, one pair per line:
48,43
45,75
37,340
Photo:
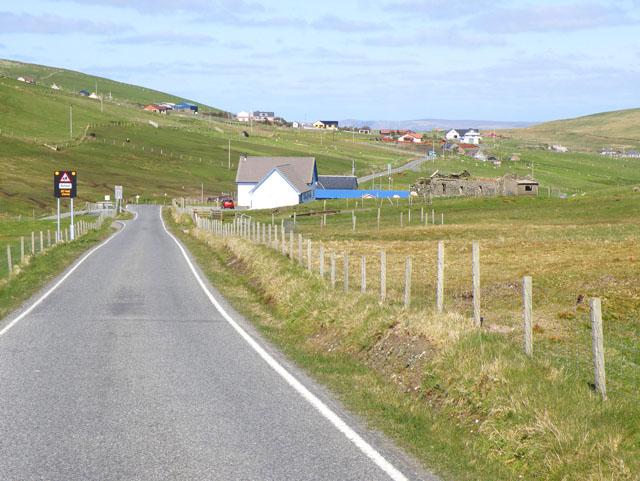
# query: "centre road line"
321,407
57,284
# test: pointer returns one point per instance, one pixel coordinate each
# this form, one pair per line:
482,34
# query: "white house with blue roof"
270,182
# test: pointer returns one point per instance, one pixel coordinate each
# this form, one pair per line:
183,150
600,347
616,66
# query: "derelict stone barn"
462,184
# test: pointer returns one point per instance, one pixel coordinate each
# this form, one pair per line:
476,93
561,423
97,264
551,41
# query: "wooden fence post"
308,254
383,275
9,259
409,214
21,249
528,328
354,223
407,283
598,346
291,244
321,261
283,238
401,219
378,218
363,274
299,249
48,238
433,217
421,214
33,243
346,273
269,235
333,269
440,284
41,241
475,248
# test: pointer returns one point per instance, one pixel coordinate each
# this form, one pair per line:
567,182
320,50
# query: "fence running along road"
128,370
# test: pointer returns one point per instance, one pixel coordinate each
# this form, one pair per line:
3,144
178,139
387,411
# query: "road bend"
127,370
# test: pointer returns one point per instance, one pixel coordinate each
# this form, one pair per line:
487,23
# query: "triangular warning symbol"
65,178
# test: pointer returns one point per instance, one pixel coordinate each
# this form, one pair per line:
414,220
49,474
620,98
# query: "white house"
466,136
471,136
243,116
269,182
295,125
453,134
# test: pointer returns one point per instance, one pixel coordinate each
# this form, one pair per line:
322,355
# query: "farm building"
342,182
269,182
462,184
29,80
152,108
186,106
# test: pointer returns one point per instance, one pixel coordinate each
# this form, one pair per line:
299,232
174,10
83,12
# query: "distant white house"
94,95
295,125
471,136
243,116
411,137
270,182
466,136
609,152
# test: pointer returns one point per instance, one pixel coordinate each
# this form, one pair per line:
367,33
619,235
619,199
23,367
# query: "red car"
227,204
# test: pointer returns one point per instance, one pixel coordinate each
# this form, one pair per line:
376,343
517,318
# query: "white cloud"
56,25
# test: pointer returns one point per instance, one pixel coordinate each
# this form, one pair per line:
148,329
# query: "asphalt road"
127,371
408,166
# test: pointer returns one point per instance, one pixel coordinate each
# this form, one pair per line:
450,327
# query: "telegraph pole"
229,153
70,122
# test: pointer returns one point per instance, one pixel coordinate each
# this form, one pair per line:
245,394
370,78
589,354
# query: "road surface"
408,166
126,370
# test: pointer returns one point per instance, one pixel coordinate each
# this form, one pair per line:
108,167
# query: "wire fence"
409,277
19,250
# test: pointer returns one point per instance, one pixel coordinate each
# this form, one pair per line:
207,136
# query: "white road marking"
324,410
57,284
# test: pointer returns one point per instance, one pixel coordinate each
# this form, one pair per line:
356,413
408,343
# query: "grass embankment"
464,400
36,271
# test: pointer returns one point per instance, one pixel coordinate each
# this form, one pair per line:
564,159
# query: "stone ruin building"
462,184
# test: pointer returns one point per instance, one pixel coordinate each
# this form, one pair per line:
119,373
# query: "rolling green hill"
618,129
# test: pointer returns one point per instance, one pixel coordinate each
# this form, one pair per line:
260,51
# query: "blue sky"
373,60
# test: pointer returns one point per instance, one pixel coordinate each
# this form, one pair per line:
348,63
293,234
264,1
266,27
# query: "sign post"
65,185
118,197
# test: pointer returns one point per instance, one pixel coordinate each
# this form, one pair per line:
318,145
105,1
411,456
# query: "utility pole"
229,153
70,122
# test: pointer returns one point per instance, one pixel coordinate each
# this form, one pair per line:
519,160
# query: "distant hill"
422,125
70,81
618,129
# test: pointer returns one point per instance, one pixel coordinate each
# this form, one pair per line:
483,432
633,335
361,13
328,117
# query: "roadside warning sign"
64,183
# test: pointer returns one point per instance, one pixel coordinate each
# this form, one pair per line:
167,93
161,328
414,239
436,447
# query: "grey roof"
290,173
342,182
329,122
253,169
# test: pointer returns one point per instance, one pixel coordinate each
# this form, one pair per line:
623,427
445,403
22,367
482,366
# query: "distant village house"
326,124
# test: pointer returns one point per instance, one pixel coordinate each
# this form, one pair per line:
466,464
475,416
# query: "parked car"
227,204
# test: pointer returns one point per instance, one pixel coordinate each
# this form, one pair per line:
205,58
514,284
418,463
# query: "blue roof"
357,194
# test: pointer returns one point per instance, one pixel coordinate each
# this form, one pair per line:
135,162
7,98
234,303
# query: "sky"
531,60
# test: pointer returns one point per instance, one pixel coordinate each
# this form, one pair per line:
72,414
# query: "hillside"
619,129
70,82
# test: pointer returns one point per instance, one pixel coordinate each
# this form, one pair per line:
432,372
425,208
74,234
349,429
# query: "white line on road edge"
343,427
46,294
